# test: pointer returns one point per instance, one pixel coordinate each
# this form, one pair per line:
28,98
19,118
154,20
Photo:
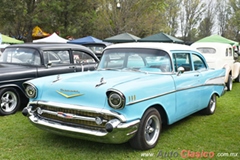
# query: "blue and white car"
136,88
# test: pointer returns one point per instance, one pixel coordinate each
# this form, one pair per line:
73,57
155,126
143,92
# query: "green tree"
171,14
206,25
223,15
140,18
67,17
192,12
16,18
233,27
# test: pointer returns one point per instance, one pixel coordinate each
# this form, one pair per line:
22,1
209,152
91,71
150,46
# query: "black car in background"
19,63
97,48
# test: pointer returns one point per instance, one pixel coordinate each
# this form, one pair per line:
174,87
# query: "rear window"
20,56
207,50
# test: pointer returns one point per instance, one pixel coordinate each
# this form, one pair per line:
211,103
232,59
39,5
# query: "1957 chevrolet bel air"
136,88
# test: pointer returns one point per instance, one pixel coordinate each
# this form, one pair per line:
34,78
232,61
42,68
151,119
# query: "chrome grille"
74,122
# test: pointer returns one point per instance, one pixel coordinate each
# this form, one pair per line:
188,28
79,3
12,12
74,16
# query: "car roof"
42,46
210,44
153,45
54,46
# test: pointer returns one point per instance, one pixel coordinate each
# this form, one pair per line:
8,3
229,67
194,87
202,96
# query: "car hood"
89,88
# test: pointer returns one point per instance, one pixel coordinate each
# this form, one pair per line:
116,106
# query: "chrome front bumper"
115,131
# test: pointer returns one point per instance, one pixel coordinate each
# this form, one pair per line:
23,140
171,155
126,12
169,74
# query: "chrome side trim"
148,98
214,81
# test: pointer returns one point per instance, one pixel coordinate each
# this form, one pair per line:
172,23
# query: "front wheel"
211,106
9,101
148,131
229,83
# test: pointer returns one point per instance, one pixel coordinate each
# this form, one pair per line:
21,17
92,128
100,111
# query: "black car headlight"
116,100
31,91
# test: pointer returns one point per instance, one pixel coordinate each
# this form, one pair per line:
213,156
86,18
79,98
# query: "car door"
187,85
83,61
206,75
56,62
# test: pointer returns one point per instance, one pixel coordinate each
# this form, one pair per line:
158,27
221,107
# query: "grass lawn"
218,134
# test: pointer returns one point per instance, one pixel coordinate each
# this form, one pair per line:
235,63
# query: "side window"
198,63
36,59
182,60
226,52
82,57
56,57
230,52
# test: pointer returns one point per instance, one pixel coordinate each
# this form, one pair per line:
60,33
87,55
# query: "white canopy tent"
53,38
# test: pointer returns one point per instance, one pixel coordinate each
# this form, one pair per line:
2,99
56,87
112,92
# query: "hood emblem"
69,93
65,115
101,82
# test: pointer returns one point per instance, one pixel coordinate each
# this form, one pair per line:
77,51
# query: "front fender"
235,70
228,69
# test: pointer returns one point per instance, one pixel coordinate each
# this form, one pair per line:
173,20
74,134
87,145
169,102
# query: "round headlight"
30,91
116,101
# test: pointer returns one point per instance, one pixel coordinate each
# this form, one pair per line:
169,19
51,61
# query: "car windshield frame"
143,59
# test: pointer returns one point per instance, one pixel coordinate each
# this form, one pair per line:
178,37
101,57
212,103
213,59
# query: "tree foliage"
206,26
193,19
191,15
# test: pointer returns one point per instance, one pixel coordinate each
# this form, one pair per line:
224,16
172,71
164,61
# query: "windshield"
20,56
150,60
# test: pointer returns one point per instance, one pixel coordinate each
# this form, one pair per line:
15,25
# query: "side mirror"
49,64
180,70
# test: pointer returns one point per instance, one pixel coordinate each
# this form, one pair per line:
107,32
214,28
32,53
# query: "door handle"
72,66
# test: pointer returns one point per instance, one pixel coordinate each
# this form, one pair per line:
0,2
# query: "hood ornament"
101,82
58,78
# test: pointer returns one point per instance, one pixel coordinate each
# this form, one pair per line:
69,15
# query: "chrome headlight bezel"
116,100
30,90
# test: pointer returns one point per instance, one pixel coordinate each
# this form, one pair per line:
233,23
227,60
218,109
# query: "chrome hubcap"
152,130
8,101
213,104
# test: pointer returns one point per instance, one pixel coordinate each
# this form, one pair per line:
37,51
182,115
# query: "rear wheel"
9,101
148,131
211,106
238,78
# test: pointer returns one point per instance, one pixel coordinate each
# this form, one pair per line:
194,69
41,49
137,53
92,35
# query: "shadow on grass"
79,144
182,122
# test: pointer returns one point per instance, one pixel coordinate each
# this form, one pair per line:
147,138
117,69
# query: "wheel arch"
235,70
18,88
217,94
161,111
227,73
